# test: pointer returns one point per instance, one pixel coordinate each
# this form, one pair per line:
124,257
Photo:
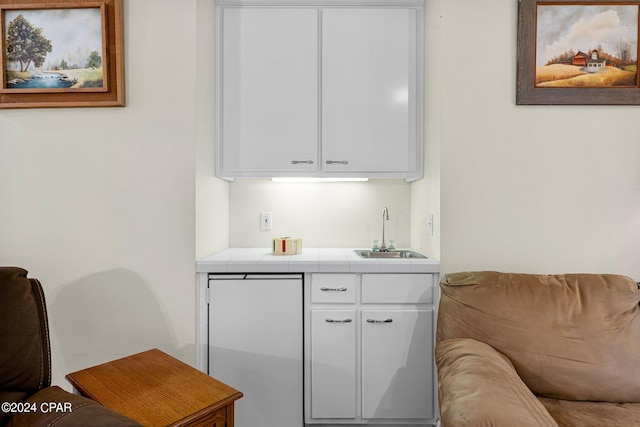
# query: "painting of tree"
57,49
26,44
62,53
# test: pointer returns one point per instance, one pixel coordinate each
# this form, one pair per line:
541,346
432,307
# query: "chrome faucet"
385,217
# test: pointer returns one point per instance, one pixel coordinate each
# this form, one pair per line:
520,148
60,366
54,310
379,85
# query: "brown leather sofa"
26,397
536,350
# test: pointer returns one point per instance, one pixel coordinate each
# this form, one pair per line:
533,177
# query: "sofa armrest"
478,386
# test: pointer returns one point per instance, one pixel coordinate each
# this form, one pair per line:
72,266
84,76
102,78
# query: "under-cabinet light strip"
320,179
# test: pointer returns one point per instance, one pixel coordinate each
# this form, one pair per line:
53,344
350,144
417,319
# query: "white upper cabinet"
269,90
369,90
314,90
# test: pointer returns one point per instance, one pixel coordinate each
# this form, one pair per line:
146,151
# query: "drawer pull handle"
379,321
306,162
323,289
337,162
346,320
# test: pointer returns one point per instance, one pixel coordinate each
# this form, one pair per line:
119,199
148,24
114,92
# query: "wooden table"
156,389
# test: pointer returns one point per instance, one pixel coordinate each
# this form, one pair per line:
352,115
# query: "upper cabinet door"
369,90
268,90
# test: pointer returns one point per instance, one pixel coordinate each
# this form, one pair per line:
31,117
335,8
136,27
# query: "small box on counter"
287,246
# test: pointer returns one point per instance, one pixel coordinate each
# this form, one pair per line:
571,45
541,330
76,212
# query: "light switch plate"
265,221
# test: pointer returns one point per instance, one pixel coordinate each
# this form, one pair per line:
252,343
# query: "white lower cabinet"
397,371
333,351
369,349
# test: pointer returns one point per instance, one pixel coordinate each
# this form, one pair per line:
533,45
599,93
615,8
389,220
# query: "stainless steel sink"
400,253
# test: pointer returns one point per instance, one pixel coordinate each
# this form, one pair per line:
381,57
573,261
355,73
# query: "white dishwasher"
256,345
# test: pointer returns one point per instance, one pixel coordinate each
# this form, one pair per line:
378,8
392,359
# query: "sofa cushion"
573,337
592,414
479,387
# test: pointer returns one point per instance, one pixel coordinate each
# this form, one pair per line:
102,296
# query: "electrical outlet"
265,221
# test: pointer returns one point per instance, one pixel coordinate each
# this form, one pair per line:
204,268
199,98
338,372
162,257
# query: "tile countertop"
311,260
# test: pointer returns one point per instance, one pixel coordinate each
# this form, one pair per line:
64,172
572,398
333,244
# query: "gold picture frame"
61,53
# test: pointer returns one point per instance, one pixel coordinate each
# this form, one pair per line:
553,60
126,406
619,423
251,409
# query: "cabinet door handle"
379,321
323,289
306,162
337,162
330,320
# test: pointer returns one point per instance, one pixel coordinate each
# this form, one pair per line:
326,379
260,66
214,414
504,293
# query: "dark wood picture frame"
110,92
530,92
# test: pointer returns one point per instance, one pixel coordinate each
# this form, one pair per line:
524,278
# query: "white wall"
322,214
212,195
99,203
425,193
544,189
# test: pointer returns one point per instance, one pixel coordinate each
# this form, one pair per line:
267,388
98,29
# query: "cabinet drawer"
397,288
333,288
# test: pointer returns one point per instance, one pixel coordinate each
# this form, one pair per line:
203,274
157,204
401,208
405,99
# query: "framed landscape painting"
578,52
57,53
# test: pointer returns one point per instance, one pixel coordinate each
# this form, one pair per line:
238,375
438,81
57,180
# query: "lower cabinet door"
397,364
333,364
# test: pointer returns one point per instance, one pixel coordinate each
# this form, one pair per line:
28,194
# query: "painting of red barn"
580,52
587,45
